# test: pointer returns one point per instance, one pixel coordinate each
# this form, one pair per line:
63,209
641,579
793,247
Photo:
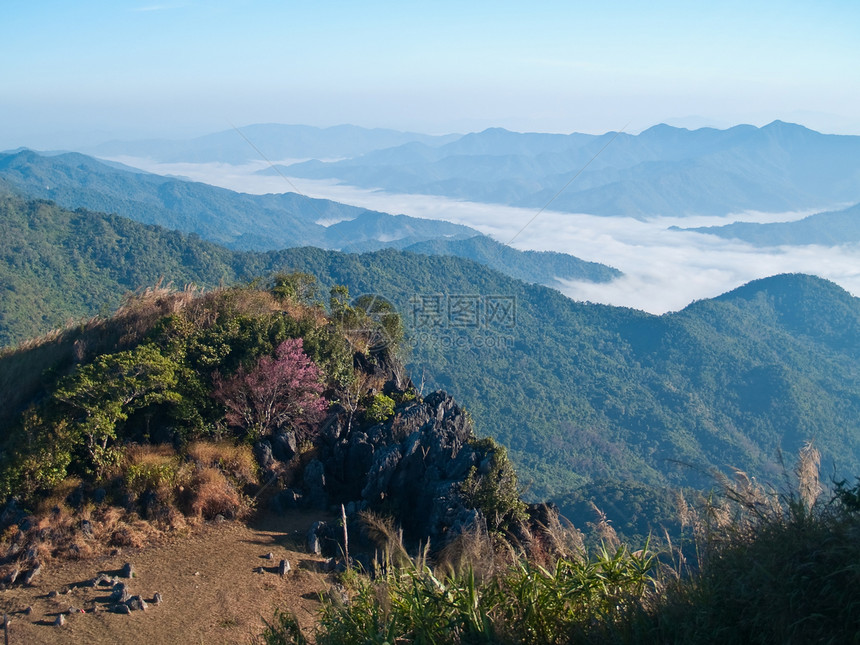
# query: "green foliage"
849,498
102,394
581,394
300,287
576,600
159,388
772,571
142,477
381,409
491,487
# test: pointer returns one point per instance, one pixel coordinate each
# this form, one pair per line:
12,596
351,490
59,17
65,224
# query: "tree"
104,393
302,287
280,392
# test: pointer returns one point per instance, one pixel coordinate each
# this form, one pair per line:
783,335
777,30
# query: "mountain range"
259,222
830,228
276,141
663,171
582,394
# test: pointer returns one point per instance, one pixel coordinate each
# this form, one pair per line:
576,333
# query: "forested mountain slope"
253,222
579,392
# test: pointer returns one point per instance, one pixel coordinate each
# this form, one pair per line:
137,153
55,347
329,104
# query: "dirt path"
208,582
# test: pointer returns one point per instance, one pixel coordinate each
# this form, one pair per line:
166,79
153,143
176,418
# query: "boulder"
264,457
283,568
120,593
284,445
32,573
136,603
314,483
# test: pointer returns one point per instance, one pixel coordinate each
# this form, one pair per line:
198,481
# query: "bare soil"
210,589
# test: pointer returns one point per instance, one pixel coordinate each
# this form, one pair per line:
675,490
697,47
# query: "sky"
79,73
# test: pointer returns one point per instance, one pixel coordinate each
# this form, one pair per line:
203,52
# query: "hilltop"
598,396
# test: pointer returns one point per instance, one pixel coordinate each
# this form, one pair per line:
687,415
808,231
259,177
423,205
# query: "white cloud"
664,269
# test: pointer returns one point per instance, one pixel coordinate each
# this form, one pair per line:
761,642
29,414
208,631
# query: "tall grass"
774,567
771,566
500,596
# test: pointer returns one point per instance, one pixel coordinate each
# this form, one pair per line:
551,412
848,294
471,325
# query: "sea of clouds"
664,269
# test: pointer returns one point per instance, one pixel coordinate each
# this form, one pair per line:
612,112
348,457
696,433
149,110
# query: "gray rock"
283,568
156,599
264,456
127,570
284,445
103,580
269,556
136,603
337,595
120,593
53,593
313,538
288,499
60,620
314,482
121,608
32,573
13,576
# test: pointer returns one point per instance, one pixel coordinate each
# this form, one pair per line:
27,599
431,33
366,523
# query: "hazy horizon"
83,73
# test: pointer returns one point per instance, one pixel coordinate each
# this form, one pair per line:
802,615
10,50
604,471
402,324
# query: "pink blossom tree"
280,392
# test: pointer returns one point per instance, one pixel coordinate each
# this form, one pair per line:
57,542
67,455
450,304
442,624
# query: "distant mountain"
374,231
236,220
275,141
661,171
541,267
582,394
828,229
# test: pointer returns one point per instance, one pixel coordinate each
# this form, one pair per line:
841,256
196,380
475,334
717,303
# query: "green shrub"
585,600
381,409
491,487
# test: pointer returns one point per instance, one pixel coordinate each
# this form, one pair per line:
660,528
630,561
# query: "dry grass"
22,367
236,461
211,494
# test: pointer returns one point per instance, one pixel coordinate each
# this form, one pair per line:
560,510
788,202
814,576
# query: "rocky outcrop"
409,467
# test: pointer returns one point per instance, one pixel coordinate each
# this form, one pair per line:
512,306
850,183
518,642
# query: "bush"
491,487
577,600
151,468
279,392
381,409
211,494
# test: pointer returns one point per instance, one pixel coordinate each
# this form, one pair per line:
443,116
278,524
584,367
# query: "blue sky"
73,73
